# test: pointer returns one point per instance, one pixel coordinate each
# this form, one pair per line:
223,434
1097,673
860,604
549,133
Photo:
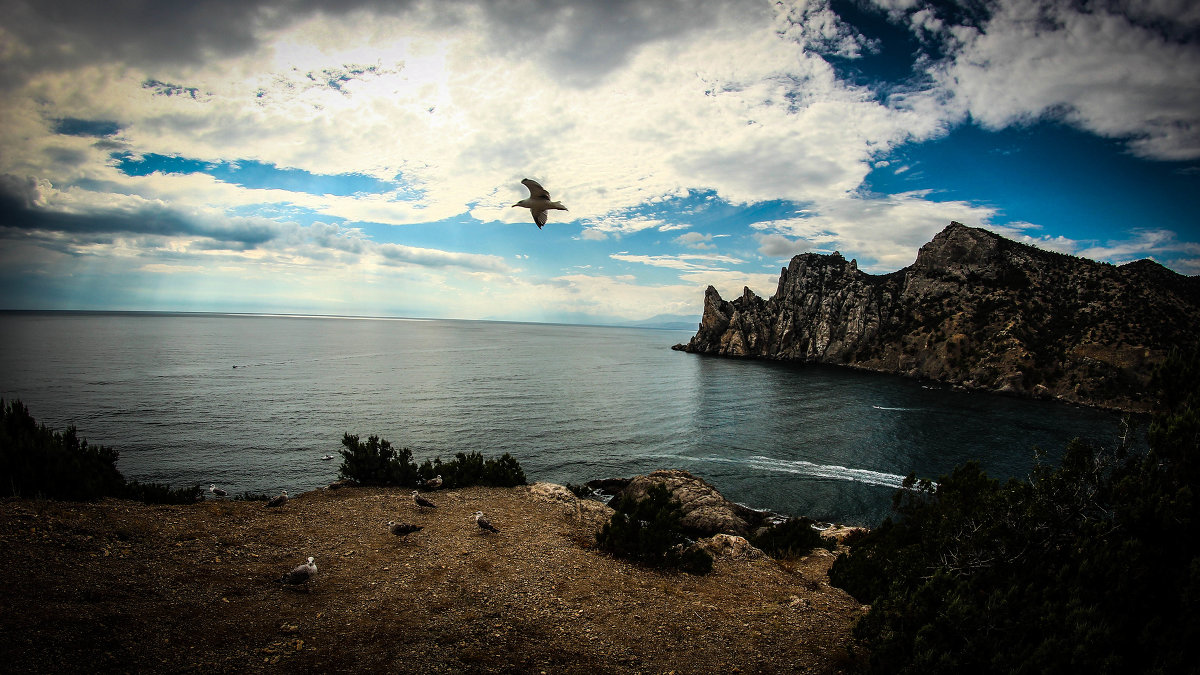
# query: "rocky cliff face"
976,310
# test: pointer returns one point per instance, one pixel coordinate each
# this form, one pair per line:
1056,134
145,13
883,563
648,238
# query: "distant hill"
667,321
976,310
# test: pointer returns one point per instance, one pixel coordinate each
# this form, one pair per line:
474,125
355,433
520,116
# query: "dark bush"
38,462
471,468
248,496
376,462
792,538
503,472
161,493
1090,566
580,491
648,531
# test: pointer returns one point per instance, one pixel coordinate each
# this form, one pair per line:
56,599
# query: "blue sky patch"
1048,174
256,175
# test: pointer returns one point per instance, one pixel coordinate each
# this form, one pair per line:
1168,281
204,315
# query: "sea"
254,403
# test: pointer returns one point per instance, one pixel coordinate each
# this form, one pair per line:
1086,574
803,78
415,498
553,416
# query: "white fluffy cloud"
1112,70
623,110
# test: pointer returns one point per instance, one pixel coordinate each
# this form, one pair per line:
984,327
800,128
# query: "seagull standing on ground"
434,483
422,502
279,500
212,487
538,202
301,575
483,523
401,529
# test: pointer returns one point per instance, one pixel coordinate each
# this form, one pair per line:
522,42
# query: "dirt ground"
124,587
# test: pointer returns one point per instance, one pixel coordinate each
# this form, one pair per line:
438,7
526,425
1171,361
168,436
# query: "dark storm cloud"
59,34
578,41
582,41
20,214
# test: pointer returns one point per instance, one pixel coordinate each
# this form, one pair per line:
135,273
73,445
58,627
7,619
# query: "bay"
253,402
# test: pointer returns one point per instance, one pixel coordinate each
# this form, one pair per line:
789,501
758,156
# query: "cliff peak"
976,310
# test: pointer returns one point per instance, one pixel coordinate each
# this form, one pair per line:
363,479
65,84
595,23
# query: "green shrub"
376,462
249,496
1090,566
793,538
648,531
503,472
161,493
471,468
38,462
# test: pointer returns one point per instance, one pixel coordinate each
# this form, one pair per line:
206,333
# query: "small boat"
327,457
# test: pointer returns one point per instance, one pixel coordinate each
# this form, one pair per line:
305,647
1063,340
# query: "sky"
361,157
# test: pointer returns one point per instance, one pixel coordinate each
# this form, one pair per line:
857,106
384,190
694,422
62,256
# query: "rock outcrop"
705,511
976,310
588,511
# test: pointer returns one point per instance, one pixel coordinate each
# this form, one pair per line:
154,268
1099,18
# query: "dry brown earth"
121,586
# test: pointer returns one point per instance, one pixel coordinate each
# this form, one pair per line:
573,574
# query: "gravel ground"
121,587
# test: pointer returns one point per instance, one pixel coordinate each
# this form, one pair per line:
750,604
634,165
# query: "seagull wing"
539,217
536,191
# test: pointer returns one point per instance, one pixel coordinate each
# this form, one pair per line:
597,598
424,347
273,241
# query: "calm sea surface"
253,402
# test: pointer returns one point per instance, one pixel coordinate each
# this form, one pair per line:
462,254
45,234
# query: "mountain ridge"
974,309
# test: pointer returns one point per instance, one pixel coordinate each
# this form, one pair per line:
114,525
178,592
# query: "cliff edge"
976,310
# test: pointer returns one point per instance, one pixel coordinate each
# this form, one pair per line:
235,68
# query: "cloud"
731,283
686,261
779,246
882,233
1102,70
395,253
695,240
631,113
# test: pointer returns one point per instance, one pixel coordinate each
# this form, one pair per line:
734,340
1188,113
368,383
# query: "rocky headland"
120,586
975,310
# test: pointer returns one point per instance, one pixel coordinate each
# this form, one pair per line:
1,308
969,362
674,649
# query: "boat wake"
805,468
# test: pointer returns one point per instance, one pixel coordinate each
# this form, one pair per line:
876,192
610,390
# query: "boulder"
728,546
705,511
589,511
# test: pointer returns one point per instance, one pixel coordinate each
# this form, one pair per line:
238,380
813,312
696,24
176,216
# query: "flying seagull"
301,575
212,487
421,501
279,500
434,483
538,202
483,523
401,529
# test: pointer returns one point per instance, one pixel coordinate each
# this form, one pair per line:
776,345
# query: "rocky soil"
120,586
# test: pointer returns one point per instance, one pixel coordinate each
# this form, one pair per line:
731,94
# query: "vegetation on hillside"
36,461
1091,566
648,531
376,462
472,468
793,538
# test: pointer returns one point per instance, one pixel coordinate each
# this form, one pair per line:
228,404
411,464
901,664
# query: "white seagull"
301,575
421,501
401,529
483,523
212,487
279,500
538,202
